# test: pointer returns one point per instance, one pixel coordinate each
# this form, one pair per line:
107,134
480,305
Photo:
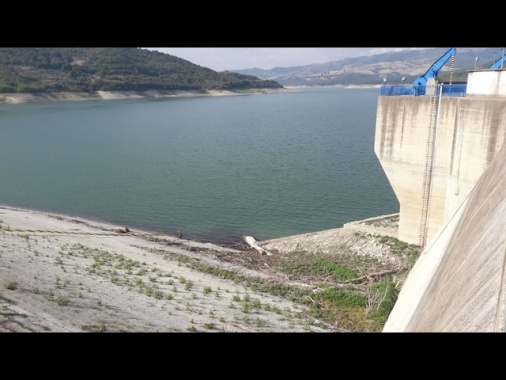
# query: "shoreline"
108,225
383,224
386,225
45,97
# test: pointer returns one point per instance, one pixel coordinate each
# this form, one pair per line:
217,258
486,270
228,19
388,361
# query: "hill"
35,70
370,70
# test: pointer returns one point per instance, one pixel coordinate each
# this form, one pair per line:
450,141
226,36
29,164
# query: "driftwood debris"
250,240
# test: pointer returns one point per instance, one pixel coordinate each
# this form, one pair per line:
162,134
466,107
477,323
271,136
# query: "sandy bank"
335,86
15,98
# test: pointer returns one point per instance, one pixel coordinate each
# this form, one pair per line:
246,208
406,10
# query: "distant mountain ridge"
371,70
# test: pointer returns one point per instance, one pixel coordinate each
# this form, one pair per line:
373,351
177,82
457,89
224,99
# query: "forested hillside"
32,70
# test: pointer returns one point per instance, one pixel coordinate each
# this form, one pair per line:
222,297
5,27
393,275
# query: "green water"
215,168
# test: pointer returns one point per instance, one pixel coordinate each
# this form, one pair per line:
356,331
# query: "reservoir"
214,168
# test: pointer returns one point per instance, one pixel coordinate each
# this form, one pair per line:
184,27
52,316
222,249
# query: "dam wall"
467,134
447,155
458,284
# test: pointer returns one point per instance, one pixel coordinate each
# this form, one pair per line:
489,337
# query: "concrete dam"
445,158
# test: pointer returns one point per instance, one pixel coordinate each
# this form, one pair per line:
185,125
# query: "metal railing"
409,89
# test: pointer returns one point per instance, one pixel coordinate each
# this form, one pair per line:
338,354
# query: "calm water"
215,168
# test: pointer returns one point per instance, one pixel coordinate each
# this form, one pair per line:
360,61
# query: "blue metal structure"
421,82
419,86
453,89
498,64
406,89
434,69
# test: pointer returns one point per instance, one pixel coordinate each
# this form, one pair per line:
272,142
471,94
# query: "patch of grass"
323,268
259,322
60,300
158,295
245,307
99,327
387,295
410,251
11,285
358,308
337,297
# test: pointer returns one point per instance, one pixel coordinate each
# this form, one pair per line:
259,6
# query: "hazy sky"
220,59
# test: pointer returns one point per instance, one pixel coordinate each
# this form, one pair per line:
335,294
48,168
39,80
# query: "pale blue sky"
220,59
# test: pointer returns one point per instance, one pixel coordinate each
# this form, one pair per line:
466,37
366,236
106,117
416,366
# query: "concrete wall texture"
469,132
458,282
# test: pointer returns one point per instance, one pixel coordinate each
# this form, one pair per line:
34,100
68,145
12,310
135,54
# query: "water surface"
215,168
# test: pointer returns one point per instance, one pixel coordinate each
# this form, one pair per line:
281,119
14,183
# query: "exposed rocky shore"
67,274
16,98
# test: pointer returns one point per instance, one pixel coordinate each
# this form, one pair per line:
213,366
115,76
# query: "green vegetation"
31,70
401,248
60,300
324,267
343,292
363,307
11,285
